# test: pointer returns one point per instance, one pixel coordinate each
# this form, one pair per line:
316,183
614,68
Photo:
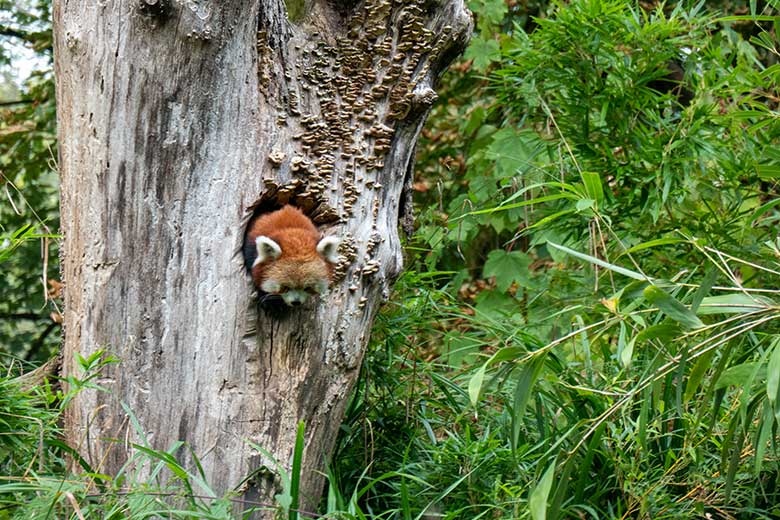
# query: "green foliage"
28,185
610,349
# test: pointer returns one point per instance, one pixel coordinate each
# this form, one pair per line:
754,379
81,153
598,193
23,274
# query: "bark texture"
177,120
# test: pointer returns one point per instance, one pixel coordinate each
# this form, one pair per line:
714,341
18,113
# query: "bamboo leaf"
736,303
704,289
773,378
672,307
523,387
295,474
593,187
599,262
697,374
740,375
475,384
650,244
537,500
628,353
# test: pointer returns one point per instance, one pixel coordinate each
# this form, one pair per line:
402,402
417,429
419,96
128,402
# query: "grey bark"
176,120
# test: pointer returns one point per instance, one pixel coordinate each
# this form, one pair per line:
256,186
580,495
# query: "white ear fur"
267,249
328,248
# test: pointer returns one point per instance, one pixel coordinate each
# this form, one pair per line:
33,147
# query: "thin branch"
33,38
16,102
23,316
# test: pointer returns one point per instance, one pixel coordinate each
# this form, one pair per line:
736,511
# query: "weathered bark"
176,121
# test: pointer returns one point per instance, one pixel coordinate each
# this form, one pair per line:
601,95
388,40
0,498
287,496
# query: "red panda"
288,257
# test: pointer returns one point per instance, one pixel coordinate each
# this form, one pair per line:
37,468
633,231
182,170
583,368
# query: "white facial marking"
270,286
321,286
294,296
267,249
328,248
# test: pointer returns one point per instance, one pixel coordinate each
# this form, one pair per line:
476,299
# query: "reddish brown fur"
299,264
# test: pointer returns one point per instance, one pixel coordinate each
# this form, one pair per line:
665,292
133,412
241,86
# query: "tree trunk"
178,120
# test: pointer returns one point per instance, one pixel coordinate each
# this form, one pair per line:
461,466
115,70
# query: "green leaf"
475,384
651,243
599,262
508,267
492,11
585,204
739,374
523,387
627,353
672,307
537,500
593,187
295,474
736,303
511,151
773,378
769,171
697,374
483,52
665,331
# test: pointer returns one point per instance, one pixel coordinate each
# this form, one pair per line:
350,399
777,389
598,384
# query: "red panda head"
294,263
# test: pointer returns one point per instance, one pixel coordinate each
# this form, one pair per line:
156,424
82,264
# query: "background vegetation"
588,327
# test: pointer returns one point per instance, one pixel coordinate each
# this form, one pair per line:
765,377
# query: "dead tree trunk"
177,121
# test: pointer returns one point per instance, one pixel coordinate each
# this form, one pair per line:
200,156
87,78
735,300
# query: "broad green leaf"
295,474
697,374
483,52
523,387
492,11
508,267
495,305
704,289
739,374
764,208
537,500
672,307
593,187
511,151
665,331
627,353
599,262
735,303
762,439
769,171
585,204
475,384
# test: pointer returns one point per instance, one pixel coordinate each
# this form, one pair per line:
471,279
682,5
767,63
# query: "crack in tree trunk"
176,122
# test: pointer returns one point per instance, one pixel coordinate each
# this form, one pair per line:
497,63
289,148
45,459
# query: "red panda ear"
267,249
328,249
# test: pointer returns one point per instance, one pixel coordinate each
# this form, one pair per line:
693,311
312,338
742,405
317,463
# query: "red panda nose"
296,303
